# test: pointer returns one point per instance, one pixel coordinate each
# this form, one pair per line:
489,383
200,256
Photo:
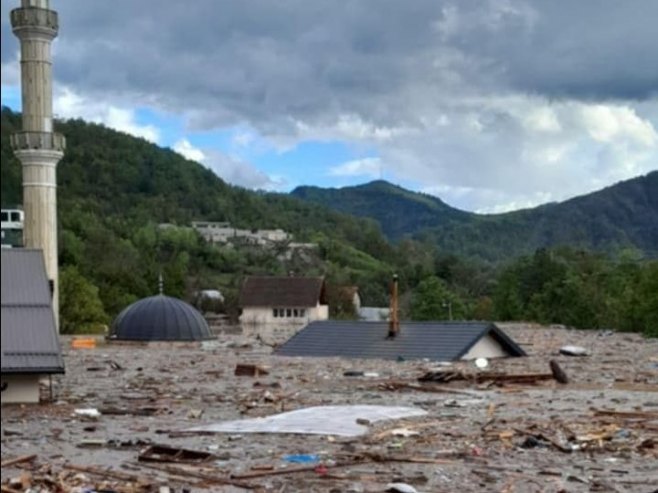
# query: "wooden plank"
18,460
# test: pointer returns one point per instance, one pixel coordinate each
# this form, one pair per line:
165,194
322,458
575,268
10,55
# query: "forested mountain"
115,190
621,216
400,212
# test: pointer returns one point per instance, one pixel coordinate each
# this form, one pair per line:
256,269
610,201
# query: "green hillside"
621,216
398,211
116,191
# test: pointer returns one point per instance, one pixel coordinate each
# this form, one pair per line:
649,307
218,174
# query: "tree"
81,310
433,300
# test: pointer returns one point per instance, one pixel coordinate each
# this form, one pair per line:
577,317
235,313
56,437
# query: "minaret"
37,147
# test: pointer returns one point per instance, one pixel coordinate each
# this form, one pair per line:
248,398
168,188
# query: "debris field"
136,418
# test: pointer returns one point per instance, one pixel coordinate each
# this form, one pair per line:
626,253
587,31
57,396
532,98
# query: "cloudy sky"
491,105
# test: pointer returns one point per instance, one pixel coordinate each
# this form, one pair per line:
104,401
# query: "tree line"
125,207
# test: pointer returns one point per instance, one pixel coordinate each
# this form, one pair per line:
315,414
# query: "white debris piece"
89,413
318,420
573,351
400,488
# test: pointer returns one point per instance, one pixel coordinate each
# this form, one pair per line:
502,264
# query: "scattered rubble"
548,422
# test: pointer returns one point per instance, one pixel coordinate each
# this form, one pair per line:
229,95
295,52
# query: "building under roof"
30,345
437,341
283,300
160,318
282,291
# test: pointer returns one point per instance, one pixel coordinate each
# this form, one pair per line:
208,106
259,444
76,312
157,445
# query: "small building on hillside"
12,228
30,344
279,301
160,318
222,232
435,341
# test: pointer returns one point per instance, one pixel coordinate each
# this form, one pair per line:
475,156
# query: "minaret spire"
36,146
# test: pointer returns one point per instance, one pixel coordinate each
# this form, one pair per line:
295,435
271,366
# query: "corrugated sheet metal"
437,341
160,318
29,338
282,291
23,277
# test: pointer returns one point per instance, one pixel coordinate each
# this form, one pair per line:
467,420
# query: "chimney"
394,321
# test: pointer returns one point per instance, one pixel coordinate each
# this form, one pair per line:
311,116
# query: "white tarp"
319,420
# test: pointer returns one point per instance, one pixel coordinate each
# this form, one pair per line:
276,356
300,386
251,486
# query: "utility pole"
448,304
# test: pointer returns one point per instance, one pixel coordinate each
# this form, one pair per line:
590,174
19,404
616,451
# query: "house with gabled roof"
435,341
280,301
30,344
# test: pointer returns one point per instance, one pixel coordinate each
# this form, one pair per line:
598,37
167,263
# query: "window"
288,312
302,312
5,216
275,313
16,216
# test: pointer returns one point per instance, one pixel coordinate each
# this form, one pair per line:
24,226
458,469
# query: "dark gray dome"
160,318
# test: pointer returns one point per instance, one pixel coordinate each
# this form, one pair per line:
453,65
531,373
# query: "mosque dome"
160,318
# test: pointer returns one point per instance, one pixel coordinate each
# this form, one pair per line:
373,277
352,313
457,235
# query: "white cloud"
370,167
242,173
499,154
607,123
503,102
186,149
68,104
542,119
243,138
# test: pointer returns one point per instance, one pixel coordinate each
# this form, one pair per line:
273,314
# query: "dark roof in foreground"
160,318
282,291
438,341
30,343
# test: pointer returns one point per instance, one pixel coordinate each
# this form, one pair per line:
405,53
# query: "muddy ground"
599,432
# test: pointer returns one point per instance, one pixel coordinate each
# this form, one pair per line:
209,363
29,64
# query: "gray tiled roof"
438,341
29,337
282,291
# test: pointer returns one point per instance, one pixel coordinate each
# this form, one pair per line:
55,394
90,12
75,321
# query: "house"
283,300
30,345
437,341
222,232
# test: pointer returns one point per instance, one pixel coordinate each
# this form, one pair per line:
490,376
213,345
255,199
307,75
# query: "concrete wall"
21,389
487,347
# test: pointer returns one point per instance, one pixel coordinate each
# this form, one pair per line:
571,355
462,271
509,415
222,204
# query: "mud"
545,437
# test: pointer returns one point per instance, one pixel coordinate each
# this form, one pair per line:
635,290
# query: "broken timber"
18,460
244,370
496,378
163,453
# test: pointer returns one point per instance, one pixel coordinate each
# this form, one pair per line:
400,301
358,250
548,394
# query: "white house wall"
265,316
21,389
486,347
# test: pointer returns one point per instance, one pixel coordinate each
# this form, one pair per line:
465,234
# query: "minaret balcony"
22,141
34,17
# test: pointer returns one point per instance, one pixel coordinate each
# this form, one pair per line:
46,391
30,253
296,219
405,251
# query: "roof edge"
51,370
